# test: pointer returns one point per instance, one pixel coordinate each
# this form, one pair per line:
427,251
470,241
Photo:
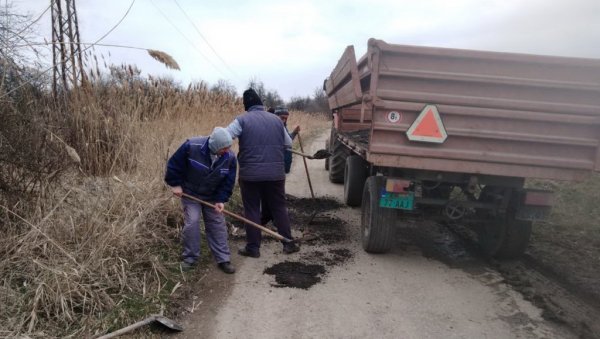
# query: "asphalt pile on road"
314,217
325,249
295,274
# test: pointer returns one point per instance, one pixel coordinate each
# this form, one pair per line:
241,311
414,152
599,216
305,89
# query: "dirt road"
342,292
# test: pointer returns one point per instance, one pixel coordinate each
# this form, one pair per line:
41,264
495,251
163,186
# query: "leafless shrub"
31,158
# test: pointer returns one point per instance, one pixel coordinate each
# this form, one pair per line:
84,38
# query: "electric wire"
204,38
115,26
187,39
85,44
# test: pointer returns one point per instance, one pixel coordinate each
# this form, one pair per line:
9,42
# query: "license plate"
397,201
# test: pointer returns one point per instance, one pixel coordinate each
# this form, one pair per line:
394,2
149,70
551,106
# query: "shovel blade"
321,154
169,323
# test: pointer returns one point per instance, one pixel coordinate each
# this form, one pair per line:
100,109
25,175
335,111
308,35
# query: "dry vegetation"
568,243
89,234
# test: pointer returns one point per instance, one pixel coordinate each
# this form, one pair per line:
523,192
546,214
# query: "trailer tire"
337,162
516,239
503,236
376,222
355,175
327,159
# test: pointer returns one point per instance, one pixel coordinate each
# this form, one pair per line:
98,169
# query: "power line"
187,39
205,40
118,23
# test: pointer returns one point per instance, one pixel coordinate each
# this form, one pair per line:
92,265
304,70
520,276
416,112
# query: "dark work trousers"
271,194
265,215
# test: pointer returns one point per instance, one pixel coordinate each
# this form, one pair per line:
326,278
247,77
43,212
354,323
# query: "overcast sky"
292,46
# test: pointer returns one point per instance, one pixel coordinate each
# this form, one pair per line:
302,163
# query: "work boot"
226,267
244,251
290,248
186,266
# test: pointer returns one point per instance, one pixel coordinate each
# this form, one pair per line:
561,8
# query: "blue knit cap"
220,138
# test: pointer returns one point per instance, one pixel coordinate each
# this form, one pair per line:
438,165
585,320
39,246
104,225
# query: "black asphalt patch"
295,274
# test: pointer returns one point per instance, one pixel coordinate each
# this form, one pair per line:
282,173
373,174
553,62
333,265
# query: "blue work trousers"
215,229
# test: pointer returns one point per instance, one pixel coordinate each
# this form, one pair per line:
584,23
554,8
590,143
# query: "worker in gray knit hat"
205,168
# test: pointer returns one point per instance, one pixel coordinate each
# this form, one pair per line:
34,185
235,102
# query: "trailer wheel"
376,222
490,235
337,162
355,175
504,239
327,159
516,239
502,236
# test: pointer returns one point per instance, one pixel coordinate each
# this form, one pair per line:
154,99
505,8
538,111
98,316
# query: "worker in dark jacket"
283,115
205,168
263,140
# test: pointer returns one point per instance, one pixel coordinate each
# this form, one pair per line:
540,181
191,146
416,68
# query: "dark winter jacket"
262,145
191,167
287,156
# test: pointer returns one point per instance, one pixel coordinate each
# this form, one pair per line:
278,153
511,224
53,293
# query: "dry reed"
164,58
100,248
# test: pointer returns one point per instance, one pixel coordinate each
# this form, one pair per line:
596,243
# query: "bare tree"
17,31
224,87
270,98
20,59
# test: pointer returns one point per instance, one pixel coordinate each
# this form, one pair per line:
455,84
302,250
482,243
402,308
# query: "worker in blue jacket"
204,167
284,114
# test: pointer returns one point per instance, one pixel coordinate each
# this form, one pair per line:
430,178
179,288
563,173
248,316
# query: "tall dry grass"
99,249
311,124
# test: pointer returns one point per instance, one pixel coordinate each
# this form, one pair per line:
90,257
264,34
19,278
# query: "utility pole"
66,49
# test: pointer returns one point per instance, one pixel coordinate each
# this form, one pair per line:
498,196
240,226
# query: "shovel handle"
301,154
239,217
312,193
129,328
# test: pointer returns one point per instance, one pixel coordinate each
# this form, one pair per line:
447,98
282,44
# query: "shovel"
239,217
312,193
320,154
166,322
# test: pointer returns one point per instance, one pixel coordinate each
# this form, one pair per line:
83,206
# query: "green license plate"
398,201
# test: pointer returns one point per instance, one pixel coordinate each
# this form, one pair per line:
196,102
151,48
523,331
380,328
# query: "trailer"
452,135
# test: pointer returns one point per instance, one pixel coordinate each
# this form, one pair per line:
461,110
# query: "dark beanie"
281,111
251,99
